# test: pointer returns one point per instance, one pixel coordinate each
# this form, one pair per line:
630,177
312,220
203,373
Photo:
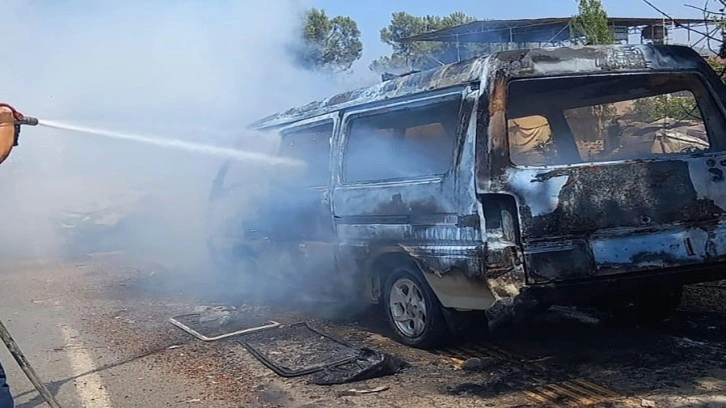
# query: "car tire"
413,312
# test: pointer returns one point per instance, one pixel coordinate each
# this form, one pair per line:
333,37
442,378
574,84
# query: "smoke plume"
187,70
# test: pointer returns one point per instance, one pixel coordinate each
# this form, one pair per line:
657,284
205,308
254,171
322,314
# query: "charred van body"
491,186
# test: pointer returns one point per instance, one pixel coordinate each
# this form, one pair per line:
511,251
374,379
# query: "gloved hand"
8,132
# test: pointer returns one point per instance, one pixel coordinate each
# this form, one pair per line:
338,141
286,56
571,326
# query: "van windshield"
561,121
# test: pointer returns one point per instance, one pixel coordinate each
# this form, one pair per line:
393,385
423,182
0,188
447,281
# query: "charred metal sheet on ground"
298,349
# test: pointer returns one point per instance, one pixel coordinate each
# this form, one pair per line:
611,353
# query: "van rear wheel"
412,309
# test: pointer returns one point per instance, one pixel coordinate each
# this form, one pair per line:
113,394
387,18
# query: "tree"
715,15
675,107
420,55
328,44
718,64
591,23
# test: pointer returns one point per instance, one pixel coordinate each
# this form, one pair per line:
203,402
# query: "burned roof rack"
387,76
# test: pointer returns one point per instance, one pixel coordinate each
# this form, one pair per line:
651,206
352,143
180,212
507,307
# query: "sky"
372,15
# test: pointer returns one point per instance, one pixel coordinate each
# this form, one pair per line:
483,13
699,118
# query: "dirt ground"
562,357
559,358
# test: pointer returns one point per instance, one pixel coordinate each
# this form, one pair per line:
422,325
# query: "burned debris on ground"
290,350
367,364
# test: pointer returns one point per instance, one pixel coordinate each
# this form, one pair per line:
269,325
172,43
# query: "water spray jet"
229,153
178,144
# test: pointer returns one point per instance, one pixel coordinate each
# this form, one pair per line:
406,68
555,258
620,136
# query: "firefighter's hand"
7,132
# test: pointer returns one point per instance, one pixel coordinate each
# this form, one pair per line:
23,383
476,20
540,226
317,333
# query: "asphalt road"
47,310
97,332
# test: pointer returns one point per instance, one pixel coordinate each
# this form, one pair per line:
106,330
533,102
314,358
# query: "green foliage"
659,107
591,23
719,66
421,55
675,107
329,44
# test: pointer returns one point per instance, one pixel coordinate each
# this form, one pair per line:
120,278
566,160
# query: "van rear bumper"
584,290
626,252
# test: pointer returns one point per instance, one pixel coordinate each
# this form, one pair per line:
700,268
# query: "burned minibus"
476,193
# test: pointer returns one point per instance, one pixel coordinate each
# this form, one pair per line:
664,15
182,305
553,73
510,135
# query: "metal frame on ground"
177,323
283,372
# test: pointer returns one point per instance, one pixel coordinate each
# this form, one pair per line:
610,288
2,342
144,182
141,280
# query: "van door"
616,173
302,211
397,187
285,224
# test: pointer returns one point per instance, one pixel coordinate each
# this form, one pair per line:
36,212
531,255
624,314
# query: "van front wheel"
412,309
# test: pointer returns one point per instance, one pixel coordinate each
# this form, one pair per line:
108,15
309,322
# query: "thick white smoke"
188,70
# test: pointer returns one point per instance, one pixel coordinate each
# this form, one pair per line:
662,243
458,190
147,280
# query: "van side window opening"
238,176
400,144
561,121
311,145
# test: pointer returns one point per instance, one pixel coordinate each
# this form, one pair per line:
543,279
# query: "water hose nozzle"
28,120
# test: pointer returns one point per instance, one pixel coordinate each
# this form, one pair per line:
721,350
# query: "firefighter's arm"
10,122
8,132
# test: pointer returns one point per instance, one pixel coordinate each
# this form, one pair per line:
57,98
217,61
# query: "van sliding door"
396,187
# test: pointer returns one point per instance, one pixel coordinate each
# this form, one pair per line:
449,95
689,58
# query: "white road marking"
89,386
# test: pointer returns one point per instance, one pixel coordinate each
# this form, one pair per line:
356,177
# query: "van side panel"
430,220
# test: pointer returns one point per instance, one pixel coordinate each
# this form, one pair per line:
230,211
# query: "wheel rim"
407,307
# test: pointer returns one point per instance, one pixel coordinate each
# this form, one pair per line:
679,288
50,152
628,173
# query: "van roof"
509,64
